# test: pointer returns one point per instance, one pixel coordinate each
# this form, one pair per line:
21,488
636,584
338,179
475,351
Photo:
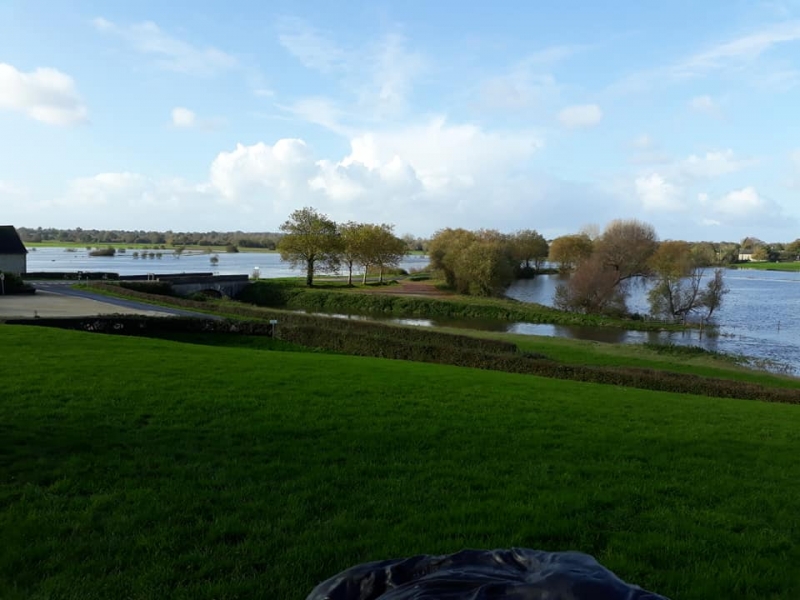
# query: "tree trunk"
350,273
380,275
366,268
310,273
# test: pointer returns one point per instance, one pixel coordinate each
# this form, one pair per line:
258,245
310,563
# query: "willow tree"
310,240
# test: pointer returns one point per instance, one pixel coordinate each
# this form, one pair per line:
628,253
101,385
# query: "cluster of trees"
485,262
604,268
317,243
775,252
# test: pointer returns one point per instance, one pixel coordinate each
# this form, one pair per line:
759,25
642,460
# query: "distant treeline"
241,239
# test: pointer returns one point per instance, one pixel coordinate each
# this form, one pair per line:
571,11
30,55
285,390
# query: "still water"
759,318
269,264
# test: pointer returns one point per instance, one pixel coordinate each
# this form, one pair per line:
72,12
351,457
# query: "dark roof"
10,242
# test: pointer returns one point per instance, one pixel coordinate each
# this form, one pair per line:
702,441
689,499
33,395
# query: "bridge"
186,284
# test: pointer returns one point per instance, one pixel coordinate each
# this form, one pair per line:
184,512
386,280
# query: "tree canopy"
311,240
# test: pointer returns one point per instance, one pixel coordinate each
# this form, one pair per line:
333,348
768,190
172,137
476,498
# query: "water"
758,318
269,264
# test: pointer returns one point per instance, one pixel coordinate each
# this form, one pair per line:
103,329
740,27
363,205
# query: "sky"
210,116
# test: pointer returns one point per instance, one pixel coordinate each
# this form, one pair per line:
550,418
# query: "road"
58,299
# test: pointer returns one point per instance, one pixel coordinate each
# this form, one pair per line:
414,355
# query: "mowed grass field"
139,468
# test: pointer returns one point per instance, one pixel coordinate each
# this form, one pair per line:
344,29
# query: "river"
758,318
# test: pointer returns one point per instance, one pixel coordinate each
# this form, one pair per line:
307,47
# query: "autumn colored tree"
570,250
600,283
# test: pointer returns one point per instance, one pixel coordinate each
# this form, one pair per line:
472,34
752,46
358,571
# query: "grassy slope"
565,350
143,468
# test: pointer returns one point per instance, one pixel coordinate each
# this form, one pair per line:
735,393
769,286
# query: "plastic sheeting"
518,574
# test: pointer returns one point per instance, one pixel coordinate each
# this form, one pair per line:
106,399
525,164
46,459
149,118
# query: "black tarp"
518,574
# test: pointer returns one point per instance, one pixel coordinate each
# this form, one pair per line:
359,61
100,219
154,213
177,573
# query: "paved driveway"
59,300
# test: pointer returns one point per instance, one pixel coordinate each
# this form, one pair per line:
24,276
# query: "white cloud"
580,116
434,166
741,203
742,58
320,111
264,93
10,189
646,151
704,104
170,53
738,52
247,171
712,165
47,95
183,117
518,89
313,49
394,69
376,76
658,194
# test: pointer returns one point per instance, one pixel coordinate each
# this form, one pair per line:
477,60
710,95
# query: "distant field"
770,266
136,468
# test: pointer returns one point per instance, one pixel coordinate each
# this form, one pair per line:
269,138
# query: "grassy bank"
563,351
336,297
199,472
769,266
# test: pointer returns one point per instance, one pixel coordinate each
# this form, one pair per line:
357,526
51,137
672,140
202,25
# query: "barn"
13,254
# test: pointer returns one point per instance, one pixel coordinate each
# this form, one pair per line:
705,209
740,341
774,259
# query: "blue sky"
506,115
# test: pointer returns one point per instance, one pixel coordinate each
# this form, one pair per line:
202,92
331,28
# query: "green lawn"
769,266
139,468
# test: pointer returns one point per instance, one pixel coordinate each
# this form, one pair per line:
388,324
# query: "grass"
689,360
138,468
769,266
334,296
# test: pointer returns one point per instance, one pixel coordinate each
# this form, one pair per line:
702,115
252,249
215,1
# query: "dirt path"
410,288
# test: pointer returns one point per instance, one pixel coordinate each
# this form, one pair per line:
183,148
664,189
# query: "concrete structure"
13,254
188,283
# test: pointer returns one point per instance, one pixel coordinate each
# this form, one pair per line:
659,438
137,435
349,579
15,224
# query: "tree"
444,248
626,247
793,249
352,240
678,270
620,254
310,240
711,297
570,250
592,289
677,273
529,246
378,246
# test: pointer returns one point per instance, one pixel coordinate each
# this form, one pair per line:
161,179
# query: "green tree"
529,246
352,241
310,240
379,247
570,250
473,262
